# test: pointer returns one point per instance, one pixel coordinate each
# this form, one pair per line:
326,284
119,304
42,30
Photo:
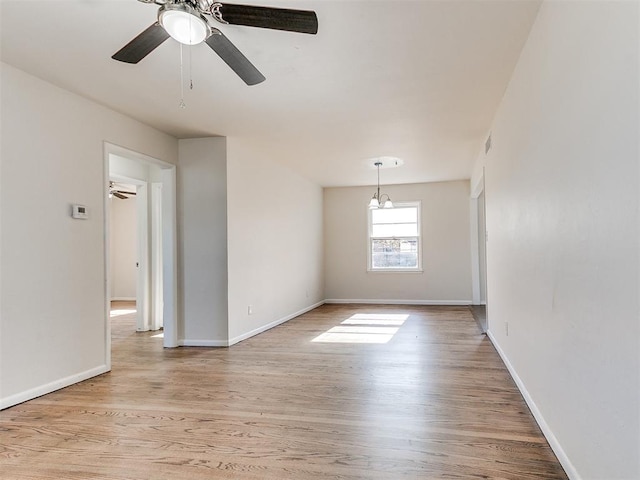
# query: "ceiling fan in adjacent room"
114,191
188,22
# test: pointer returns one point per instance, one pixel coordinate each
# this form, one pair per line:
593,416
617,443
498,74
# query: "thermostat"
80,211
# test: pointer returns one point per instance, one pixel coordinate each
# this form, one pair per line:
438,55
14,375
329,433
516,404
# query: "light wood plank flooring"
433,402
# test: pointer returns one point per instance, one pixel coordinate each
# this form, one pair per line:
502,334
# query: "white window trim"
418,268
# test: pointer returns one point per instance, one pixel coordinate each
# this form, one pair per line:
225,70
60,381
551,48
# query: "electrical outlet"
250,310
506,328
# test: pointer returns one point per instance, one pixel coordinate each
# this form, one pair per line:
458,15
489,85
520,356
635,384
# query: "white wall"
202,241
275,241
126,167
446,247
562,182
123,248
52,298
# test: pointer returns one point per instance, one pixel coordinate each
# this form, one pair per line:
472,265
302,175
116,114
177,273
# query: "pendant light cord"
378,165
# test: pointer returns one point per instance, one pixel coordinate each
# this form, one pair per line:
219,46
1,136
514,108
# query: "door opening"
479,255
123,236
130,249
152,191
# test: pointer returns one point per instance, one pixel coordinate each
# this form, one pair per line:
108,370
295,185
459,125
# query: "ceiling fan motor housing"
205,5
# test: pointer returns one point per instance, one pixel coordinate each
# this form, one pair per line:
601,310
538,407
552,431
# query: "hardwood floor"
433,402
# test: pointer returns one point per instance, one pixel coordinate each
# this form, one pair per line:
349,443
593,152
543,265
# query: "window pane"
395,215
395,230
390,253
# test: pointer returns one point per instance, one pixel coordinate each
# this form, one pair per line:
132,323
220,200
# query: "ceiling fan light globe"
184,26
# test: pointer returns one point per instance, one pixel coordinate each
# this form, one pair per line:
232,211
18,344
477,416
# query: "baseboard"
123,299
275,323
370,301
569,469
202,343
51,387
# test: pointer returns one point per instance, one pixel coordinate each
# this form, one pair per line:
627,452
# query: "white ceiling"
420,80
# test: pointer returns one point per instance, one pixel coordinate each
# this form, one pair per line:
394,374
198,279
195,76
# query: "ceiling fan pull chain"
190,69
190,75
182,104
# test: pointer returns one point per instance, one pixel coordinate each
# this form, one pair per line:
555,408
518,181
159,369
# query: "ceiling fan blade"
302,21
142,45
119,195
234,58
122,192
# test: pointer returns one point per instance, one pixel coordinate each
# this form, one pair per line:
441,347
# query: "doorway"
151,193
132,270
479,255
123,252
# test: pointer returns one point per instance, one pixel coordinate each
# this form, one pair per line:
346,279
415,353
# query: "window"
394,238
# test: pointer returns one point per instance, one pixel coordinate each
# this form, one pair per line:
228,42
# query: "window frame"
370,238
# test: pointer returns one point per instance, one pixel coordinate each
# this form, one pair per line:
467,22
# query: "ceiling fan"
121,194
187,21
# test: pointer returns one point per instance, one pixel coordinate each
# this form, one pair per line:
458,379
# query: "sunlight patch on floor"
364,328
159,335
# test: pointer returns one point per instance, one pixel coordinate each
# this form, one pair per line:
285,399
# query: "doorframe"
156,257
169,243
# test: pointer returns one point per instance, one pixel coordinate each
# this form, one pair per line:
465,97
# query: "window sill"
394,270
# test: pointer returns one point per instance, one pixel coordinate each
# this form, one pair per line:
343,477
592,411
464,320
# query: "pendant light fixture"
377,200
